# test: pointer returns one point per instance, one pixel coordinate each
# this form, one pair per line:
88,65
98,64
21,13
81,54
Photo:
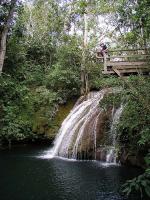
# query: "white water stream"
111,154
82,122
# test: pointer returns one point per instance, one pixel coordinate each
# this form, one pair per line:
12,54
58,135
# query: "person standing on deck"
103,50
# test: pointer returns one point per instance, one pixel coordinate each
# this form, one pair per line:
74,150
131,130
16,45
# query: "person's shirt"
104,47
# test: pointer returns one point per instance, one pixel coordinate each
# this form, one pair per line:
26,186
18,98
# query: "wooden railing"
126,61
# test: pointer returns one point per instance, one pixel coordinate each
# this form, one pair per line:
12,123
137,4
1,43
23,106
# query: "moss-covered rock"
48,128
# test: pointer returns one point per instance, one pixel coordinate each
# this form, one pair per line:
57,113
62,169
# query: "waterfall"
111,154
73,126
83,130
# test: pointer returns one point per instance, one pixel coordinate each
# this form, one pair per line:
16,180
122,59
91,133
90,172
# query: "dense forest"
48,59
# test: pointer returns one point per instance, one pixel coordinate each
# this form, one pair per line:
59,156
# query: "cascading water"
81,132
111,155
70,134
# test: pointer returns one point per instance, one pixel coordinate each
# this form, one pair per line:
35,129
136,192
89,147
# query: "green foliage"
139,184
112,100
134,123
133,17
22,106
42,70
145,137
105,82
65,82
134,129
5,6
69,53
14,109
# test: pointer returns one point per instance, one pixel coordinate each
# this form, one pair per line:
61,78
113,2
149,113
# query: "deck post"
105,62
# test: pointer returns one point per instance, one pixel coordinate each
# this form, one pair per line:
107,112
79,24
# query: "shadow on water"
25,176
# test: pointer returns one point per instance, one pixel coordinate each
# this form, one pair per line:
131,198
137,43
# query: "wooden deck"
127,62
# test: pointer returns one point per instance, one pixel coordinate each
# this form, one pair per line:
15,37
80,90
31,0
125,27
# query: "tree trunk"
3,49
4,33
84,75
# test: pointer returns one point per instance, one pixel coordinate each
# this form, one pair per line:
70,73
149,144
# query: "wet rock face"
131,159
96,129
103,127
